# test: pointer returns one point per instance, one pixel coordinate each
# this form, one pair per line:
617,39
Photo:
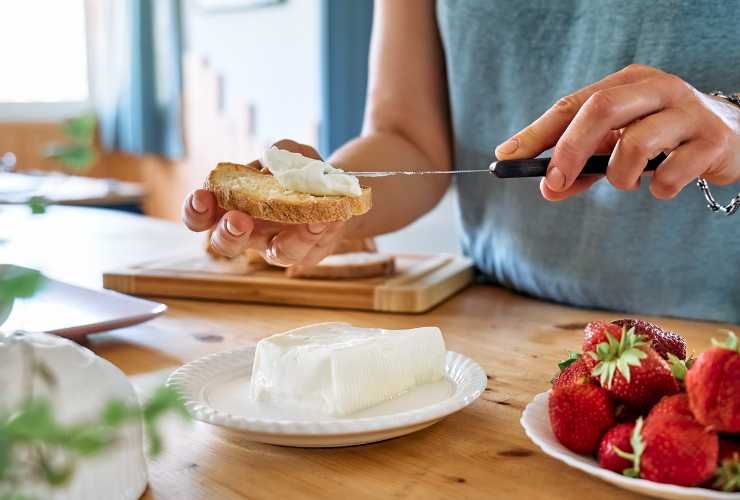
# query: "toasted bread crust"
304,209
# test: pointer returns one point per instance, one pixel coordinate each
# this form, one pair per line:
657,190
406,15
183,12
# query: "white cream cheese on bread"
338,369
295,172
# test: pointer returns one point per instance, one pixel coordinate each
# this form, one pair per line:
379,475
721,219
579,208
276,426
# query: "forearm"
397,200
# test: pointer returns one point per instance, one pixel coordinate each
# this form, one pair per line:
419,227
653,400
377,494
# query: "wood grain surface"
481,452
419,283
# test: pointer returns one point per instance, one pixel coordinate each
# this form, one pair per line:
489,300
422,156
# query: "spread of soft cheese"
339,369
295,172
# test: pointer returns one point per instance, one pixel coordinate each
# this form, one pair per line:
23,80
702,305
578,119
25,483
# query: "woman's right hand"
280,244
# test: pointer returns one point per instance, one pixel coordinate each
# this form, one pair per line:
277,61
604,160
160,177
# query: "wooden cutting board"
419,283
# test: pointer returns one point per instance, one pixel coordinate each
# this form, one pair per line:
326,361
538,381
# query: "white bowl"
536,423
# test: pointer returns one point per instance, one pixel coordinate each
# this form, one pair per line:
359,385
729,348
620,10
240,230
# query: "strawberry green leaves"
572,358
638,447
678,367
730,343
727,475
617,355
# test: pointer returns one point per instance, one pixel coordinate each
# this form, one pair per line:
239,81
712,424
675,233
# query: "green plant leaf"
81,129
163,400
154,438
117,412
19,282
90,440
54,474
34,420
5,453
75,156
38,205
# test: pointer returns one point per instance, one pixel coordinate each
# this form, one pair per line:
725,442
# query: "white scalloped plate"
536,423
216,391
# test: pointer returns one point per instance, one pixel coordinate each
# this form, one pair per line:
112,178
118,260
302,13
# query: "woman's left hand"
634,114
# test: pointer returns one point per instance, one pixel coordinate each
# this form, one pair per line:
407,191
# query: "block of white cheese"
338,369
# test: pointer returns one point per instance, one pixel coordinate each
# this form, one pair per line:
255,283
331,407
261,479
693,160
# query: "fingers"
325,246
607,109
682,166
291,245
644,140
581,184
297,147
231,237
544,132
200,211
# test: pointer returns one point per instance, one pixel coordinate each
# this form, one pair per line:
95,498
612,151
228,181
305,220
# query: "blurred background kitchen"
127,104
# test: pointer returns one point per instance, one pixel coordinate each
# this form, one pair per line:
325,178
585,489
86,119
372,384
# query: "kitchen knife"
510,169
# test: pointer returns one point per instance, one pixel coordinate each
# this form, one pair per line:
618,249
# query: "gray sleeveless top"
507,62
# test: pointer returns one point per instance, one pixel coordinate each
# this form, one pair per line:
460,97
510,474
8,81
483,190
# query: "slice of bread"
255,191
346,266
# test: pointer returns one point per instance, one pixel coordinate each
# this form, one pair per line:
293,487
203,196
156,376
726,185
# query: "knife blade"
511,169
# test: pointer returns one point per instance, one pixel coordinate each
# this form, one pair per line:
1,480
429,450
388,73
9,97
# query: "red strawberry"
713,385
673,450
580,414
632,371
575,373
727,475
617,437
663,341
676,406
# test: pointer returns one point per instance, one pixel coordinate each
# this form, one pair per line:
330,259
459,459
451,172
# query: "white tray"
216,390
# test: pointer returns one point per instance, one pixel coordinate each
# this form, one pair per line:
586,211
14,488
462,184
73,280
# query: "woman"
450,79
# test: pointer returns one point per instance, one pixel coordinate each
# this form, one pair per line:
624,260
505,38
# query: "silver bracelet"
734,204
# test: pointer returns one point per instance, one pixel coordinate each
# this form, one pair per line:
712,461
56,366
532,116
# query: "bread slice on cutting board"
255,191
346,266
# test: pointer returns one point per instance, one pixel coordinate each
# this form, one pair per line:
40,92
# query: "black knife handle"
537,167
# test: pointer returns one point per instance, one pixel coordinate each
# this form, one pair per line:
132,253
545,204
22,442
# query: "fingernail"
232,230
197,205
509,146
555,178
316,228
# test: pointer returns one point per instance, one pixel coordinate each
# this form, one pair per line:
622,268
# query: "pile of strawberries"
632,398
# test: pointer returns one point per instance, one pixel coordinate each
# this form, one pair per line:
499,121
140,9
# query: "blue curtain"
147,117
345,32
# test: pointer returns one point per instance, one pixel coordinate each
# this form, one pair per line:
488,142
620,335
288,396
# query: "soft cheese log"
339,369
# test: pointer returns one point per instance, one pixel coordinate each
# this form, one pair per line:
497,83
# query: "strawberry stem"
638,447
729,343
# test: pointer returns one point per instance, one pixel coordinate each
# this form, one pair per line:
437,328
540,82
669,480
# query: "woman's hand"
634,114
280,244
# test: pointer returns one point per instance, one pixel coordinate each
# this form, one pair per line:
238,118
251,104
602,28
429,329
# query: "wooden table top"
480,452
